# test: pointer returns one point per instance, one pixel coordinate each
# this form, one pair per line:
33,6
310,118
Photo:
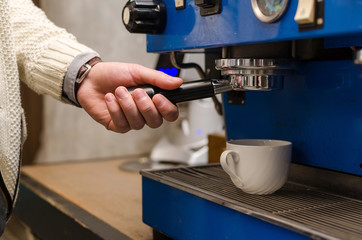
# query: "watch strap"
83,72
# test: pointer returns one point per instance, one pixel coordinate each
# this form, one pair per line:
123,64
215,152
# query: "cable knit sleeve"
43,50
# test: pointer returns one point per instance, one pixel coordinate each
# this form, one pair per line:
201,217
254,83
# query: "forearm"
44,51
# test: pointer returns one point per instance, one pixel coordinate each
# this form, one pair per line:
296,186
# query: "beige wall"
68,132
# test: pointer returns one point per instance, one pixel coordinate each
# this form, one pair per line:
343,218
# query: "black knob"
141,16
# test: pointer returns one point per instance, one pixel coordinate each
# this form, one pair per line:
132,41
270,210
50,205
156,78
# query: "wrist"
83,73
74,72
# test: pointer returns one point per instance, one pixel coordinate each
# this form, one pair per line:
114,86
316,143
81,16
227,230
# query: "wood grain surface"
101,188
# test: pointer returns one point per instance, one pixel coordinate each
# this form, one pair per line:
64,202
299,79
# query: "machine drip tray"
302,209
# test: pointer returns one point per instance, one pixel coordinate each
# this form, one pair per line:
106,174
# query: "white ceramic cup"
257,166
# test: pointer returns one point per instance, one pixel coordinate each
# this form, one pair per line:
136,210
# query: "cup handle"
225,165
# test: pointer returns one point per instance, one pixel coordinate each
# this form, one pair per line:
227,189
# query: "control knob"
142,16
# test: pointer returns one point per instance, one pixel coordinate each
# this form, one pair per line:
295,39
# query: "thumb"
153,77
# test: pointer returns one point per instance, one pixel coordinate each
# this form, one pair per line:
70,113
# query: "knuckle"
172,116
127,106
108,126
122,127
133,67
124,130
155,123
147,108
137,125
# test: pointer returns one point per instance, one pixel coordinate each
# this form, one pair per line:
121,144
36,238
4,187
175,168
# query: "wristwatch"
83,72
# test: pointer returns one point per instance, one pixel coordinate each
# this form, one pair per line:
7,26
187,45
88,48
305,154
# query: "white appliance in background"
186,140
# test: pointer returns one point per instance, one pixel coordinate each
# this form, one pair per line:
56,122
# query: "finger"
168,110
118,122
130,110
146,107
143,75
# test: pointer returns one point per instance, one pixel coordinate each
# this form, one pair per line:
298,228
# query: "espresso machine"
286,69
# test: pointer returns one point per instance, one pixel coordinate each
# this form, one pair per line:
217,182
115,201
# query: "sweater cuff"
51,68
71,75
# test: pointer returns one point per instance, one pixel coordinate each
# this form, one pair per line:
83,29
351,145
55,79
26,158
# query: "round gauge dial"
269,10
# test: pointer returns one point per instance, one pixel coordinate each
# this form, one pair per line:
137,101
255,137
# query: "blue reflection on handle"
173,72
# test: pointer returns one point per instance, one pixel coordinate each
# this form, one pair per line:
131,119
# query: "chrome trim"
264,18
221,86
253,82
254,74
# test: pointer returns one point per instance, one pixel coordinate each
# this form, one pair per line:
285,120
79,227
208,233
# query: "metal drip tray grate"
303,209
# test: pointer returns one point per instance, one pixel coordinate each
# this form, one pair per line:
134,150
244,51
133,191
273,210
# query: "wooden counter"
97,195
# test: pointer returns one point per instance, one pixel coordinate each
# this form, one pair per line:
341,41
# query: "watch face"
269,10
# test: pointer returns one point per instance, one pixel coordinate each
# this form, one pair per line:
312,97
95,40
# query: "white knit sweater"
38,53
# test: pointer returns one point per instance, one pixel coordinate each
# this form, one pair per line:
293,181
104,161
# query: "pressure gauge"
269,10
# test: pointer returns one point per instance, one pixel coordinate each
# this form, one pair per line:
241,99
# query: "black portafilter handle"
188,91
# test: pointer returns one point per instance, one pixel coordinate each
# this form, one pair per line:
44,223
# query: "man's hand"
104,96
